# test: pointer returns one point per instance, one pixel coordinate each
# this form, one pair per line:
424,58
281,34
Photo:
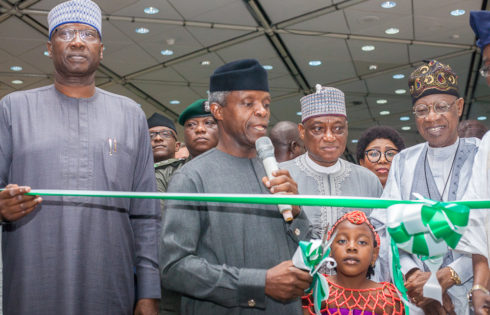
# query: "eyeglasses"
164,134
67,35
423,110
485,71
374,155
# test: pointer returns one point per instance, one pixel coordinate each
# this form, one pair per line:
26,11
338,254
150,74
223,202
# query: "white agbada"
476,237
406,177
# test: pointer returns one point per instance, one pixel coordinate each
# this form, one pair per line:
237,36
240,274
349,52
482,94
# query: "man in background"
286,140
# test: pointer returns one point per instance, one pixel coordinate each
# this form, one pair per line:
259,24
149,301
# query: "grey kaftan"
348,180
77,255
217,255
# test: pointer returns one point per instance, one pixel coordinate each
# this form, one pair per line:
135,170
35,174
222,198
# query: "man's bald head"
286,140
471,128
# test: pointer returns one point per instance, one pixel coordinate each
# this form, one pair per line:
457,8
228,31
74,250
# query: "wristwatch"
477,287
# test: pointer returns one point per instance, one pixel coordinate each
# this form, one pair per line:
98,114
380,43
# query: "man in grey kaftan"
228,258
320,171
438,169
76,255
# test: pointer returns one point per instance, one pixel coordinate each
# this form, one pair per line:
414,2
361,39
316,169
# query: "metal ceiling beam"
196,53
261,17
278,28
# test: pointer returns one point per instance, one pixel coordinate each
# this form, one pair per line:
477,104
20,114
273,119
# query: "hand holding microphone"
265,151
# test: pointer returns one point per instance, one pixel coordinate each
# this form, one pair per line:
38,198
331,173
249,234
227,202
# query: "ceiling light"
384,112
458,12
406,128
268,67
142,30
167,52
392,30
373,67
46,53
174,102
16,68
368,48
205,63
17,81
355,141
388,4
315,63
400,91
381,101
404,118
398,76
151,10
298,113
482,118
455,36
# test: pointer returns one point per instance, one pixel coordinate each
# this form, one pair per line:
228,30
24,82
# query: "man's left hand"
146,307
282,183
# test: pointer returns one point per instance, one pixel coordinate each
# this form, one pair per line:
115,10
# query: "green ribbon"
397,274
443,221
297,200
313,256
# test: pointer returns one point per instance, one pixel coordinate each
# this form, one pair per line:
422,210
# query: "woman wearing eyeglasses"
376,148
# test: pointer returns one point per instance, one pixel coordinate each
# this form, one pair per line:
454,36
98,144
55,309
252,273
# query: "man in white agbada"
438,169
476,237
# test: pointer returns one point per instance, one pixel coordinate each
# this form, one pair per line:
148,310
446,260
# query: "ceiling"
284,34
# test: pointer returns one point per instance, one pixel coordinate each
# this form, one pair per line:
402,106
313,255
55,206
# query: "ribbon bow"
427,230
311,256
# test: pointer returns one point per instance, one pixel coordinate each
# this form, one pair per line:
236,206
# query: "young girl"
355,249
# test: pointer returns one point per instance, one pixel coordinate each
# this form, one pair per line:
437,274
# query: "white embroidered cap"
325,101
75,11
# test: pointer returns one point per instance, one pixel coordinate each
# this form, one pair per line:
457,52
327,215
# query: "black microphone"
265,151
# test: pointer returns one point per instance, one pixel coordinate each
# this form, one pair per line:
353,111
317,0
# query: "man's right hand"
14,204
285,282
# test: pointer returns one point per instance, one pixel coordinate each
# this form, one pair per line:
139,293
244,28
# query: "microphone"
265,151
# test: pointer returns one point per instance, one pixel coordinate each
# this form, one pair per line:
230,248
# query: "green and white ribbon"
427,230
310,256
296,200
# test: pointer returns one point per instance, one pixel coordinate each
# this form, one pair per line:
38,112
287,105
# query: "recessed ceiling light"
268,67
392,30
406,128
482,118
355,141
298,113
142,30
455,36
400,91
167,52
46,53
381,101
151,10
174,102
384,112
368,48
16,68
315,63
388,4
458,12
17,81
205,63
373,67
404,118
398,76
